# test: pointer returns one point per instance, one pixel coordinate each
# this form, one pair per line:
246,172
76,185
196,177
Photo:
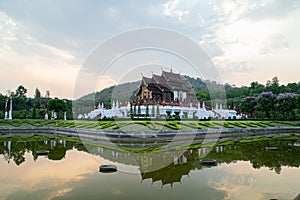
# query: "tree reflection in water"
287,154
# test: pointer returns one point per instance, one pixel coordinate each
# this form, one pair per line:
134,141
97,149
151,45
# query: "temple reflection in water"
168,166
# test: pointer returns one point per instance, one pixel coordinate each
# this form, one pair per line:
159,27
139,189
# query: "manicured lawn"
146,125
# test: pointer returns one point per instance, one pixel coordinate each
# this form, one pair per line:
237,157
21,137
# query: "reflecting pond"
244,170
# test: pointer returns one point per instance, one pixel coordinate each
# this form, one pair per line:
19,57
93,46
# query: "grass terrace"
147,125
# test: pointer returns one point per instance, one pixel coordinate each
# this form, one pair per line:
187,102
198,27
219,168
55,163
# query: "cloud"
26,183
7,28
256,10
228,64
171,10
53,38
270,9
247,36
273,44
24,57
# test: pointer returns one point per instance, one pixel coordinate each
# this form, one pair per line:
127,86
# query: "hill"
121,92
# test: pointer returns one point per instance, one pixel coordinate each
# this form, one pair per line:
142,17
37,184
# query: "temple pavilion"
168,87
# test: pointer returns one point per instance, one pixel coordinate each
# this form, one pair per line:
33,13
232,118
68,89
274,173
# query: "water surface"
70,171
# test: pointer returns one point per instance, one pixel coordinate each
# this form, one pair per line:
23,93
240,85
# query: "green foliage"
249,124
208,124
1,114
266,102
19,114
20,92
238,124
120,125
273,85
260,124
33,116
153,126
57,105
248,105
41,113
172,125
144,123
21,103
233,92
256,88
227,125
203,95
285,104
107,124
193,125
37,93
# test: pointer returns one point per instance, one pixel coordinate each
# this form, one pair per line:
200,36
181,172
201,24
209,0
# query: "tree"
273,85
37,98
269,83
41,113
20,103
33,112
47,94
248,104
286,103
203,95
275,81
256,88
37,93
57,105
21,92
266,102
292,87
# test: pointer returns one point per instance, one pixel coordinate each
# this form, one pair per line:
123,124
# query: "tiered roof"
170,80
167,82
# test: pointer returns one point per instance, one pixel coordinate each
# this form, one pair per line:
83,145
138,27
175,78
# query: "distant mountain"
122,93
197,83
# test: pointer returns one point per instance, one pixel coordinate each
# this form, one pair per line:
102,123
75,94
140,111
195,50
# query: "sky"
44,44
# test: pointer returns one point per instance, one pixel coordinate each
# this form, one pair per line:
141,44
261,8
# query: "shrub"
227,125
172,125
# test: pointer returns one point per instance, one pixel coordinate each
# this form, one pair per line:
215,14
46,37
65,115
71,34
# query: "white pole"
9,149
10,109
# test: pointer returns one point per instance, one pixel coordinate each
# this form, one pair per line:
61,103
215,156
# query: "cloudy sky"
45,43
